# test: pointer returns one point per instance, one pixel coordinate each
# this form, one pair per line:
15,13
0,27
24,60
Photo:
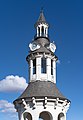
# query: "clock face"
52,47
34,46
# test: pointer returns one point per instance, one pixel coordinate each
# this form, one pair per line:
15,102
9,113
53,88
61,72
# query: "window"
43,65
34,66
27,116
51,67
45,116
61,116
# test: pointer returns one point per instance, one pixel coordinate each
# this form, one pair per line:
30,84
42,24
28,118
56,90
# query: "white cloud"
7,107
8,110
13,83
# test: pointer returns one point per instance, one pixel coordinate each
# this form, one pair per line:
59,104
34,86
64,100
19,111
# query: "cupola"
42,100
41,59
41,26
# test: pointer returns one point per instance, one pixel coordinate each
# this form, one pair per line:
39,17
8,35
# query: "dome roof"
44,43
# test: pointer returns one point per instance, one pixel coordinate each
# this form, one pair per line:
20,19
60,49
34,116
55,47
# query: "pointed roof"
41,19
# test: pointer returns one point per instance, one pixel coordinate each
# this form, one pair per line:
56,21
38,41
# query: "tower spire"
41,18
42,26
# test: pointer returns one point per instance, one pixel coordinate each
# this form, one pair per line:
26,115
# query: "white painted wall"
43,76
41,106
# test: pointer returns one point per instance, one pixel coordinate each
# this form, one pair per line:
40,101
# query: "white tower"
42,99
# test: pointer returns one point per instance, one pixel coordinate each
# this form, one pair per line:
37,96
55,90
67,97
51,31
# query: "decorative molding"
24,103
34,102
45,102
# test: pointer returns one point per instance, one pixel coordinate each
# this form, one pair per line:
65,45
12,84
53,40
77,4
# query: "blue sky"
17,20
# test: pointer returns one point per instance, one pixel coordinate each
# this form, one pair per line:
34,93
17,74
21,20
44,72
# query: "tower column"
65,117
38,68
37,31
46,32
31,69
48,68
54,71
40,30
36,118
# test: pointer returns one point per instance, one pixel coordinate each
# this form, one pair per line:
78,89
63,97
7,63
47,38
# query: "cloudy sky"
17,20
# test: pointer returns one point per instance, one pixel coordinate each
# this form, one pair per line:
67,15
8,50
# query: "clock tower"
42,99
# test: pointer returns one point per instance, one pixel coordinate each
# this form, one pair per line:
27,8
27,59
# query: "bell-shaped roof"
41,89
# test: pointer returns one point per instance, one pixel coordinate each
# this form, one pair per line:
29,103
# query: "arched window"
45,116
61,116
43,65
27,116
34,66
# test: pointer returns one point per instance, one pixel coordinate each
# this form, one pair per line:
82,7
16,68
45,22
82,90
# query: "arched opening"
61,116
39,31
27,116
45,116
43,30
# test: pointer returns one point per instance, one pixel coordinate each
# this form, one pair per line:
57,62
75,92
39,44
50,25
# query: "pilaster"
38,68
48,68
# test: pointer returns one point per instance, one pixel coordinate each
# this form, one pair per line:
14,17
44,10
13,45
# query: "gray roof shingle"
41,89
41,19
